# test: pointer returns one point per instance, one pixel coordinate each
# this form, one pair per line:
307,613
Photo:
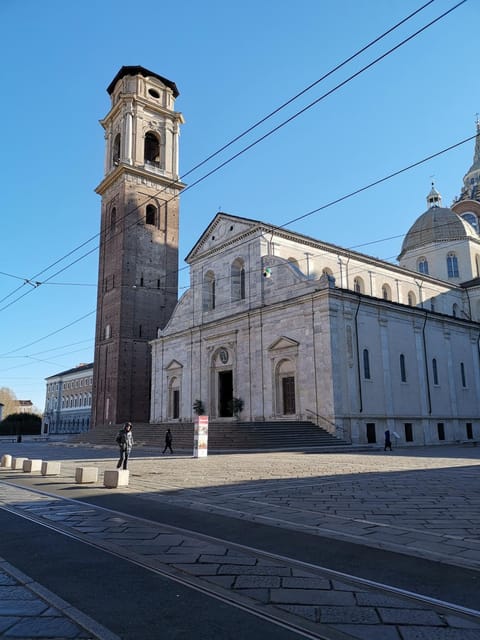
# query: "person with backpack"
124,440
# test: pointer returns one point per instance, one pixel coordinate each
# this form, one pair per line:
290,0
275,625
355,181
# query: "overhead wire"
249,147
273,228
175,182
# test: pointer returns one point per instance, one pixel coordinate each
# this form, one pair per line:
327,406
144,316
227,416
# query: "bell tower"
138,262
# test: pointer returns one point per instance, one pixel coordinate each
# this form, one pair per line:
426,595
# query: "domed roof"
438,224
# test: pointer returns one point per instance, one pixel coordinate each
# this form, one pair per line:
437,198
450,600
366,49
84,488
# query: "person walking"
388,441
125,442
168,442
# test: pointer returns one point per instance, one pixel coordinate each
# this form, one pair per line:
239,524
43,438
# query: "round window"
154,93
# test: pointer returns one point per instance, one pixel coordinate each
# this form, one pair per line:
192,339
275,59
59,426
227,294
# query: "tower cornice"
138,70
145,104
168,185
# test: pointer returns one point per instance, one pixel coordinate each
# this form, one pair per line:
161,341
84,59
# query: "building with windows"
24,406
281,324
68,402
300,329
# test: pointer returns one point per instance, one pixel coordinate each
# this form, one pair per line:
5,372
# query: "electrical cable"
273,228
173,183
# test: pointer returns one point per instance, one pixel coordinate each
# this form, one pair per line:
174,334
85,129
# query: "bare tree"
9,400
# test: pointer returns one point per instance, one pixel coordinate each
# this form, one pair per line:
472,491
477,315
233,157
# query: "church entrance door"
288,389
225,394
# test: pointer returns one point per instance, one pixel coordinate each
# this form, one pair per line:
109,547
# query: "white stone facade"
300,329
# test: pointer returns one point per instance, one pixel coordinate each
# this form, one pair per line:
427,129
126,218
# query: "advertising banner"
200,437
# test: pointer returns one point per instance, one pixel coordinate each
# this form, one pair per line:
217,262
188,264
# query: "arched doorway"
222,384
286,388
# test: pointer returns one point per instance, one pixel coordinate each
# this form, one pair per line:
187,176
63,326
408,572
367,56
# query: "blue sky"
233,63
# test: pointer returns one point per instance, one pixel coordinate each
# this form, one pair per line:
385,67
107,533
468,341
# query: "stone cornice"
125,169
341,295
264,228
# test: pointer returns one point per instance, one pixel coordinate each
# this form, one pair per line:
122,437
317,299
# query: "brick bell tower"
138,263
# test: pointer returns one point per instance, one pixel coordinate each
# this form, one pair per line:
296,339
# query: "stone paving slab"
29,611
330,602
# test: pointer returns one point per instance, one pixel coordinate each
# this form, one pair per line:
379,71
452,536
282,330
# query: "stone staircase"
223,436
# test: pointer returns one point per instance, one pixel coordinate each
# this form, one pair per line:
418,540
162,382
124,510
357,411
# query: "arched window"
108,332
472,219
151,214
455,310
452,265
432,304
209,291
423,265
358,285
435,371
294,263
403,371
152,149
462,374
366,364
237,280
116,150
412,300
386,292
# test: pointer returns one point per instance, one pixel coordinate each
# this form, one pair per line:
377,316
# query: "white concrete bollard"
50,468
117,478
86,474
17,463
6,461
32,465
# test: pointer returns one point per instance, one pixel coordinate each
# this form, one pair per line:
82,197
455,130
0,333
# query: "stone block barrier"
17,463
32,465
50,468
84,475
6,461
116,478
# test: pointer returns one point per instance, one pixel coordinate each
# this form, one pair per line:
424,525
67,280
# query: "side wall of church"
297,346
406,371
320,340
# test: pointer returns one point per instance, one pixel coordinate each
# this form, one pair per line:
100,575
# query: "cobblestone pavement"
28,610
318,597
424,502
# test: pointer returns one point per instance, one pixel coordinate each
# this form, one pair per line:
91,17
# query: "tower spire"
471,180
476,156
434,199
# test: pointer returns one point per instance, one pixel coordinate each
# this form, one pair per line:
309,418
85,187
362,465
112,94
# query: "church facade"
280,326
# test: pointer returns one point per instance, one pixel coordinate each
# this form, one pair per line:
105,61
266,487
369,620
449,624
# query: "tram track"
127,537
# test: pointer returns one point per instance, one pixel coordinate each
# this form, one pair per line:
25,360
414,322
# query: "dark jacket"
125,440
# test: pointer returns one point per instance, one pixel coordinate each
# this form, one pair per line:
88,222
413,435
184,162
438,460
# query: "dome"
438,224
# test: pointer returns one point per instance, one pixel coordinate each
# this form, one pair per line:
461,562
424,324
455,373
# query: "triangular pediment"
223,229
174,364
283,343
